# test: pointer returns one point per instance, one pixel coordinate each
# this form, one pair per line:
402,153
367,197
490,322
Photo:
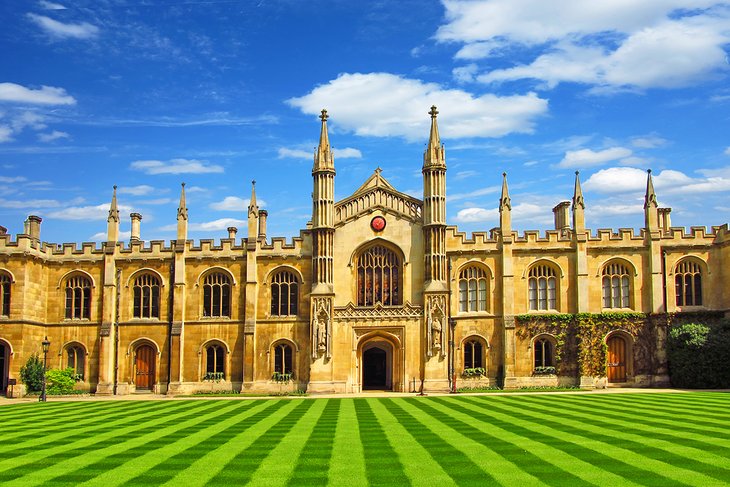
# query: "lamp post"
46,344
452,372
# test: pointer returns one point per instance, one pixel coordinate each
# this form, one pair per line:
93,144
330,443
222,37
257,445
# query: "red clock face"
378,223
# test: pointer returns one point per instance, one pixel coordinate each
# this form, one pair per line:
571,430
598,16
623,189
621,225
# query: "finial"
183,185
648,171
324,115
253,182
504,174
577,173
115,187
433,111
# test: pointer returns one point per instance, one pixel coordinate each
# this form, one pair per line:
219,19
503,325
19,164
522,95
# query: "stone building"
378,292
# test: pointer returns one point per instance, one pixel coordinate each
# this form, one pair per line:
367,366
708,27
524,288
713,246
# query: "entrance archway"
375,369
144,366
4,366
616,359
380,362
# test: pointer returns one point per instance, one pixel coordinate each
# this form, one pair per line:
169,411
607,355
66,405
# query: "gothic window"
544,353
78,298
688,283
378,277
214,360
147,296
4,294
473,289
76,360
216,295
542,288
283,354
284,294
616,286
473,353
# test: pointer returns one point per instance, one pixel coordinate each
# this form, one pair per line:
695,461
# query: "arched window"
147,296
473,353
214,361
217,295
76,360
283,358
284,294
688,283
78,298
473,289
542,288
544,353
4,294
616,286
378,277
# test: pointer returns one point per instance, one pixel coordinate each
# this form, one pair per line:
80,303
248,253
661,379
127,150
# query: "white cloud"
98,212
386,105
234,203
474,215
27,119
140,190
649,142
588,157
55,135
30,204
465,74
285,153
50,5
523,211
471,194
6,133
101,236
727,151
220,224
668,182
464,175
46,95
609,209
84,30
12,179
479,50
616,180
347,153
176,166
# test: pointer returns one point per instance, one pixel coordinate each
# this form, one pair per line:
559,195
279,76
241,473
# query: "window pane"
532,293
482,295
606,292
478,354
625,302
275,300
293,298
468,356
698,290
542,294
551,293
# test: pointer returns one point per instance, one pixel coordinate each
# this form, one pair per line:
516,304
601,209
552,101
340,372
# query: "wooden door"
144,365
616,359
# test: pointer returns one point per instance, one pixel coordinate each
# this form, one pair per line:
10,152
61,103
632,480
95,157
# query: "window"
284,294
283,358
378,276
4,294
473,354
78,298
472,289
688,283
544,356
147,296
216,295
214,361
616,286
542,288
76,359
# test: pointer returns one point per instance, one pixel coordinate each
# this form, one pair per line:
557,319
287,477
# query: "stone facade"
378,292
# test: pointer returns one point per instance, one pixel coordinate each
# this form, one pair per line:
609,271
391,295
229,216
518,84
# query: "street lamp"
46,344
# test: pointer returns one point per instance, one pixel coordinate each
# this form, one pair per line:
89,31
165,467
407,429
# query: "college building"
378,292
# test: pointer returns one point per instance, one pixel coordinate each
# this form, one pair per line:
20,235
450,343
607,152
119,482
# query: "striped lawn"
541,439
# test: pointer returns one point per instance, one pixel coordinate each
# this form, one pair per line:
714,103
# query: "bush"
60,381
31,374
474,372
698,355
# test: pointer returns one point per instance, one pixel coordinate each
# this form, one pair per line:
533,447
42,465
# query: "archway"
377,366
616,370
144,367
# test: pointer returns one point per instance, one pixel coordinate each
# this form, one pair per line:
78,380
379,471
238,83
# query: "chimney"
262,224
33,227
3,230
232,232
136,222
665,220
562,216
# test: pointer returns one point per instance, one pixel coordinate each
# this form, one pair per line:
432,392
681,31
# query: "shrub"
698,355
544,370
213,376
31,374
281,377
474,372
60,381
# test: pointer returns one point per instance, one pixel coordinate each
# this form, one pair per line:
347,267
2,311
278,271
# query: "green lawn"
521,440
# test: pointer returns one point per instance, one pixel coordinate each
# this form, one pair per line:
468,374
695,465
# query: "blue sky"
149,94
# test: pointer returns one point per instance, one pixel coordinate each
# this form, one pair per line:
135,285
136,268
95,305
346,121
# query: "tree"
31,374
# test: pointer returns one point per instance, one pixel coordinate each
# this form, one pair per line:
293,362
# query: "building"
378,292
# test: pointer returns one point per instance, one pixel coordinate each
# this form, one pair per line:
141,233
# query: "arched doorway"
616,370
4,366
377,365
144,367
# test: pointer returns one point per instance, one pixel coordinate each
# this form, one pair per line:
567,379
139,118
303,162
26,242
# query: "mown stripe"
382,466
313,463
240,469
348,457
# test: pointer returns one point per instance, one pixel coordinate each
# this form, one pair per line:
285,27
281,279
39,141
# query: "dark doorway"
4,362
145,368
375,369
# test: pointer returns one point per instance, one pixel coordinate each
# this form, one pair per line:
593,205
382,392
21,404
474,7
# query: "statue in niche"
321,327
435,329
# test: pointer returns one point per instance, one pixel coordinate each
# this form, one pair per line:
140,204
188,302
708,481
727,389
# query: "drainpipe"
116,330
170,311
664,278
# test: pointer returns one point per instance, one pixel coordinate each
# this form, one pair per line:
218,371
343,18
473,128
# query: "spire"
650,197
323,158
651,210
578,193
113,210
504,201
253,206
434,155
182,209
579,206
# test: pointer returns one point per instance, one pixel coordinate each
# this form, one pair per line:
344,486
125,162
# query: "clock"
377,224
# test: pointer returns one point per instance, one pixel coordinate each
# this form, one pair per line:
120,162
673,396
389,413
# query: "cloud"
588,157
84,30
176,166
479,50
234,203
522,211
648,142
465,74
668,182
347,153
98,212
46,95
50,5
727,151
474,215
101,236
55,135
464,175
220,224
6,133
471,194
388,105
285,153
140,190
30,204
12,179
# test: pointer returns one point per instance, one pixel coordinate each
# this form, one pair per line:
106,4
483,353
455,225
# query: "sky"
147,94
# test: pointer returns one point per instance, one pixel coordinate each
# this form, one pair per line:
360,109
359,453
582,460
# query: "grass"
660,439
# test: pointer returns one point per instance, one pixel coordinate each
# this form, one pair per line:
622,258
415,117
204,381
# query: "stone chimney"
665,220
232,232
136,223
562,216
33,227
3,230
262,224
